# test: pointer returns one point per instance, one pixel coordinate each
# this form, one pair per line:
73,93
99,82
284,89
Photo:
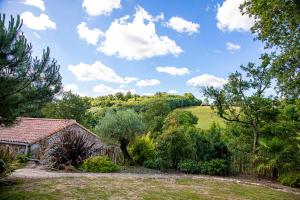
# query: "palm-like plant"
271,156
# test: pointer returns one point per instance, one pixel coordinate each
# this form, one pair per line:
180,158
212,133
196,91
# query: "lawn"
137,188
205,115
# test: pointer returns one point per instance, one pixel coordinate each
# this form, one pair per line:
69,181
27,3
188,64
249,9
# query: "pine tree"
25,82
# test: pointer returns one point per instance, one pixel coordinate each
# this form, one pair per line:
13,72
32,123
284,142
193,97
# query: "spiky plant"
70,148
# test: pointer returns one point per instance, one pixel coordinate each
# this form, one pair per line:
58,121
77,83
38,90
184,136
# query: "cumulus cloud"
105,90
206,80
100,7
91,36
183,26
36,35
41,22
98,71
175,71
172,91
36,3
71,87
232,47
147,83
231,19
138,39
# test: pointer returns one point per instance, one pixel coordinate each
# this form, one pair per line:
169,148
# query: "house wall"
15,149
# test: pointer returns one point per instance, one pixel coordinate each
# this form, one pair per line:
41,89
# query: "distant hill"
206,116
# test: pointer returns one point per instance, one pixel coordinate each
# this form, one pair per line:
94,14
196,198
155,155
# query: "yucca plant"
71,148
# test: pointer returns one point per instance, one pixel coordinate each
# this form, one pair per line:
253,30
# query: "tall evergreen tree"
24,81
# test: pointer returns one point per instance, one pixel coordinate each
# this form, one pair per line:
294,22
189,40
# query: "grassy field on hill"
205,115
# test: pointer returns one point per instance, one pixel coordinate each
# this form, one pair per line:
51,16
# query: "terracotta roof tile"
31,130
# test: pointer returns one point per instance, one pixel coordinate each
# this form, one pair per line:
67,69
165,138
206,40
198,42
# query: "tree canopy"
24,81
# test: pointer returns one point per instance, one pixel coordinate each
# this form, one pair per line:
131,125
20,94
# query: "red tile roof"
31,130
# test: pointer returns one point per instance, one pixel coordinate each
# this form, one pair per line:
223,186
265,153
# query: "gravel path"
40,173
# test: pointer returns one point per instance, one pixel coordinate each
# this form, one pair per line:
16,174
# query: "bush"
291,179
174,146
217,167
22,158
189,166
157,163
102,164
142,149
71,148
7,162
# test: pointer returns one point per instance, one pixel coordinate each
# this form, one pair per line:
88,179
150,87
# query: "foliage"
70,148
25,82
173,146
189,166
102,164
277,25
142,149
180,118
291,179
234,103
7,161
122,126
22,158
218,167
70,106
154,116
157,163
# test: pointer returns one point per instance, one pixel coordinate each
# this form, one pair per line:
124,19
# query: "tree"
277,23
180,118
71,106
242,99
155,114
24,81
122,126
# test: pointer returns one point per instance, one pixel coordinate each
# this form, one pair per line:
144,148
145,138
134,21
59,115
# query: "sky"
145,46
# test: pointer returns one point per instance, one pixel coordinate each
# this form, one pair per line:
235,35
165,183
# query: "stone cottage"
31,136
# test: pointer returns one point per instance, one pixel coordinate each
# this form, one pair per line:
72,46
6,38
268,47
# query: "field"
137,188
205,115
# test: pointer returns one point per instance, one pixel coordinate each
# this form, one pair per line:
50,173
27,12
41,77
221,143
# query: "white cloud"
183,26
148,94
175,71
105,90
36,35
36,3
98,71
138,39
172,91
206,80
231,19
100,7
41,22
147,83
90,35
232,47
73,88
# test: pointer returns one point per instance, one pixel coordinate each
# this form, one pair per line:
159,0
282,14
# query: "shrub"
291,179
215,167
7,161
189,166
142,149
22,158
102,164
174,146
71,148
2,166
157,163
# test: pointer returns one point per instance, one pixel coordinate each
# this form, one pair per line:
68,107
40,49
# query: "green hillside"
206,116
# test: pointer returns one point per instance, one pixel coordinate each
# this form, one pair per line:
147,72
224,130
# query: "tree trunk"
255,137
123,147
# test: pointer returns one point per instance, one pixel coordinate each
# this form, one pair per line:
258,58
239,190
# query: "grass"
205,115
137,188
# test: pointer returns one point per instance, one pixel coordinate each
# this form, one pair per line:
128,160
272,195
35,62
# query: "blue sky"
106,46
